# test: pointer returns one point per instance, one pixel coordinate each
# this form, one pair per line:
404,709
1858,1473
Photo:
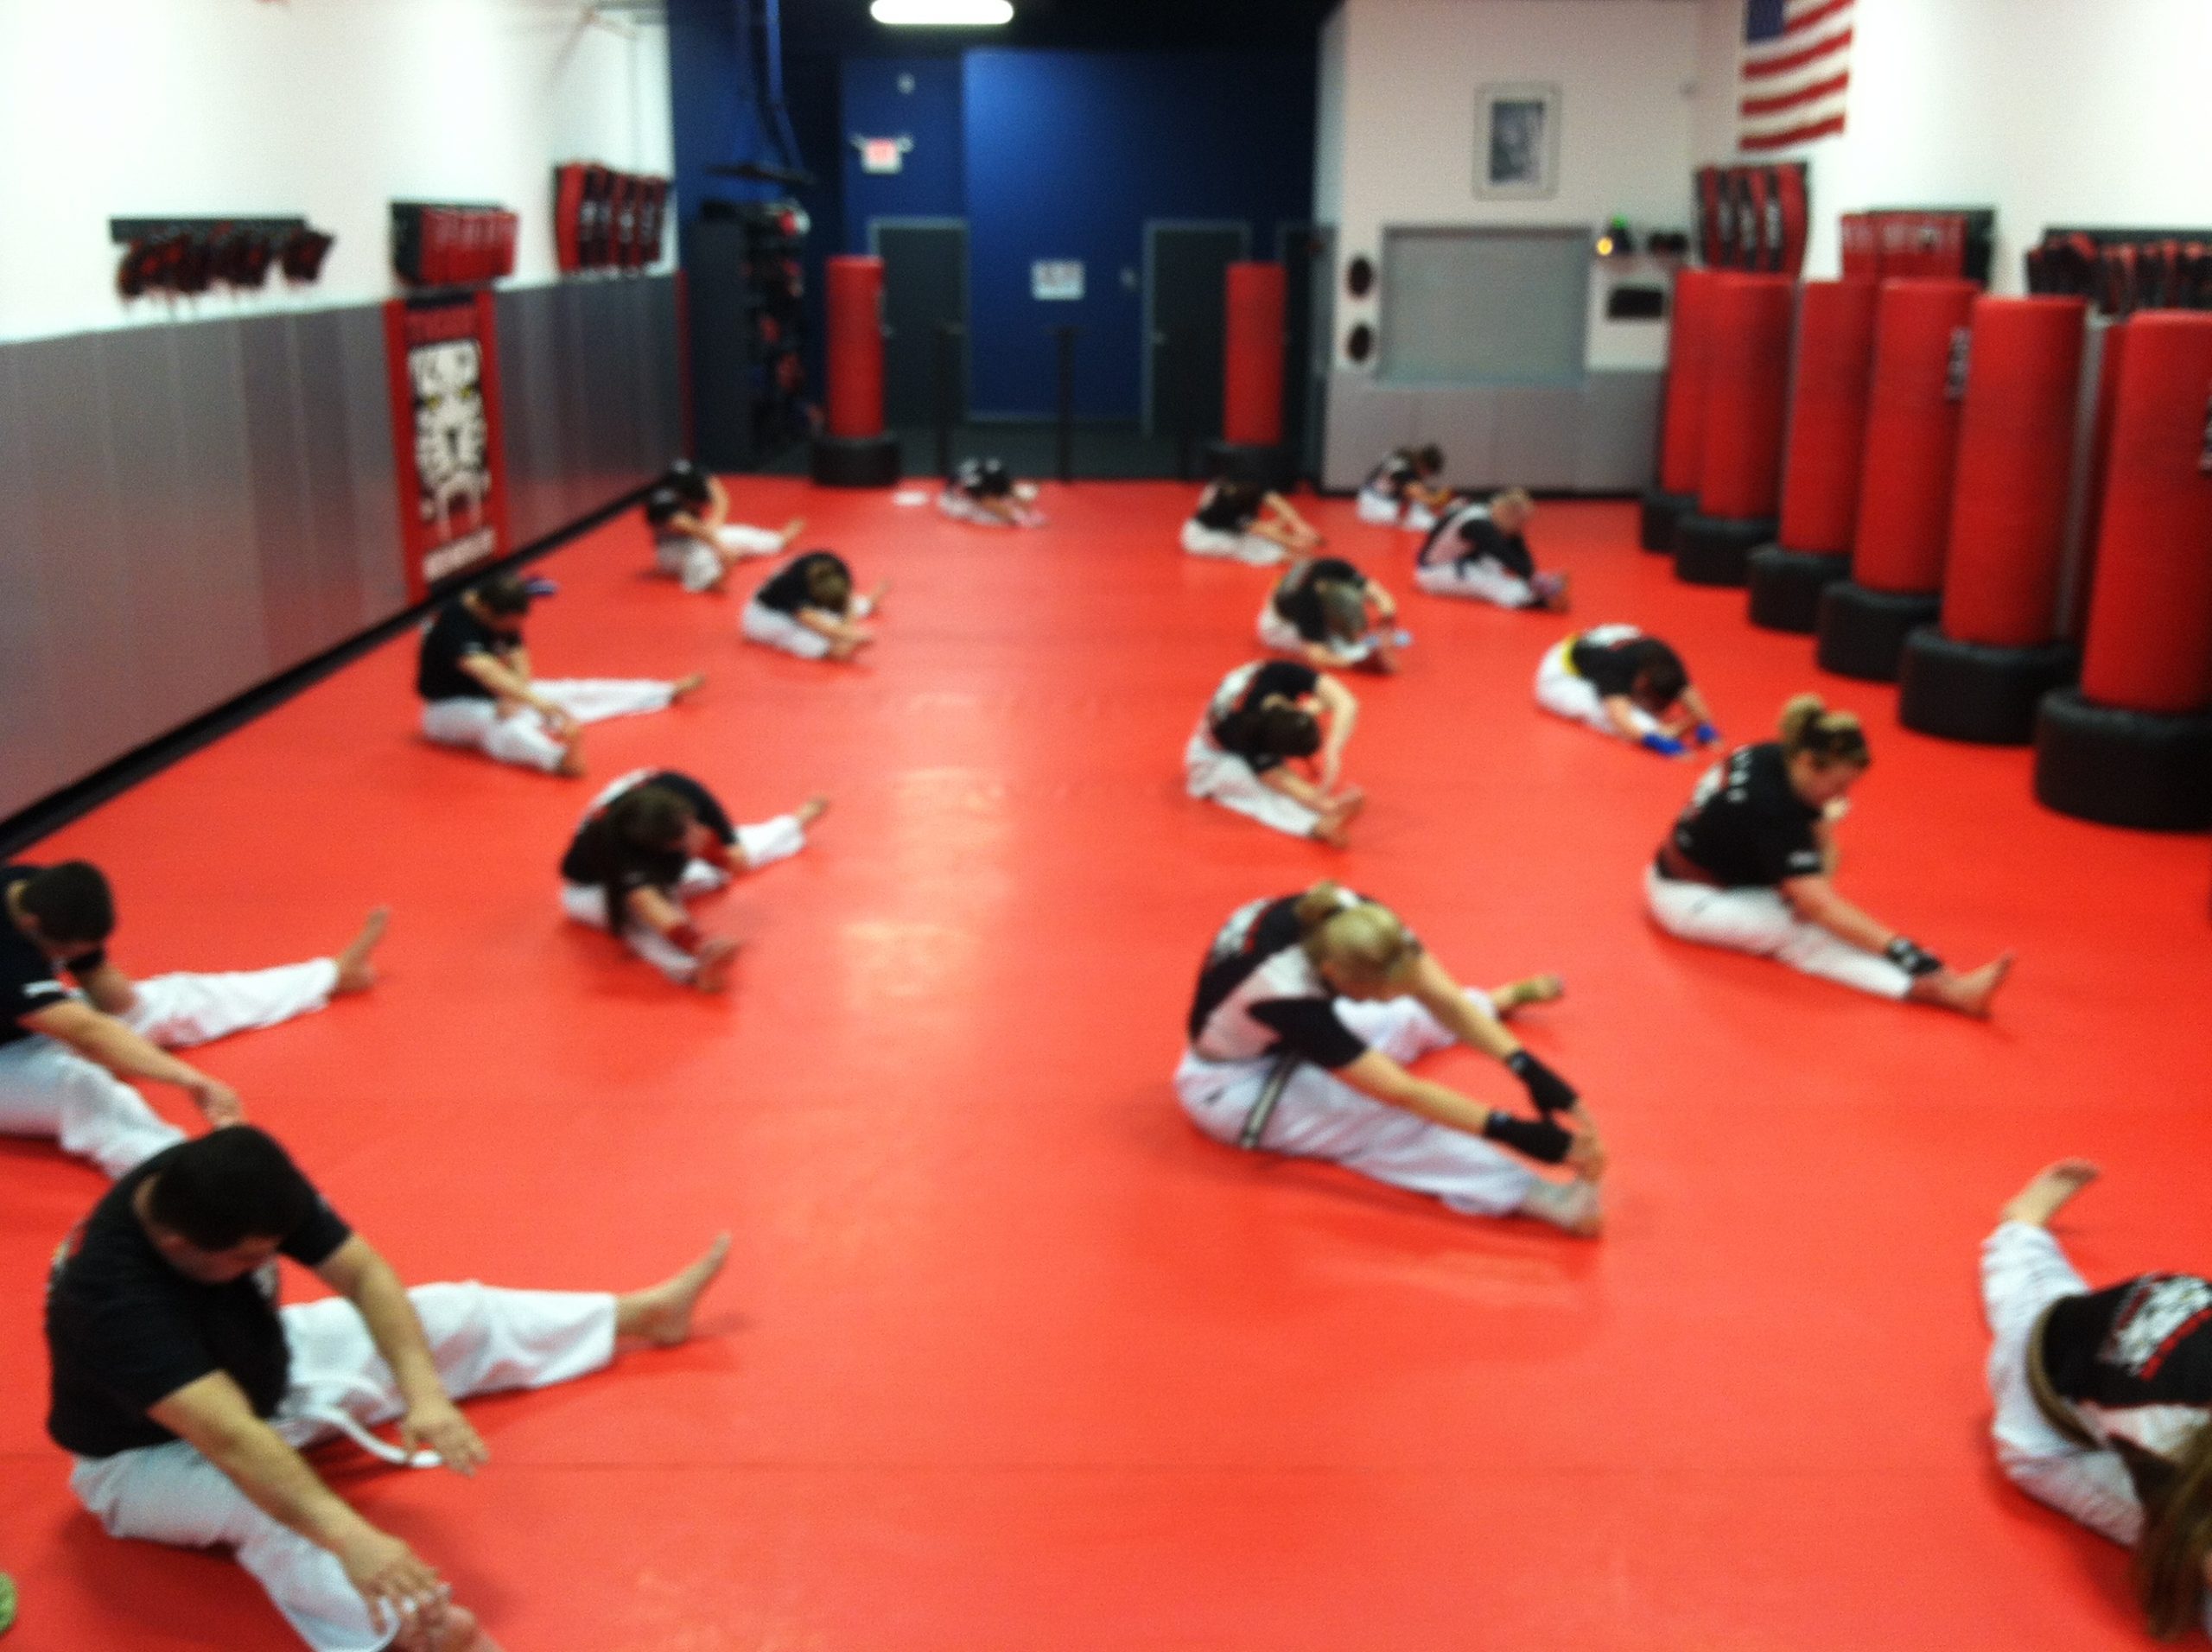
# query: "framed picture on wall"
1516,140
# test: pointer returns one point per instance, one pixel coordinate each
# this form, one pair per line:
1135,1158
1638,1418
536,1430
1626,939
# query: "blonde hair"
1513,498
1809,728
2169,1569
1356,941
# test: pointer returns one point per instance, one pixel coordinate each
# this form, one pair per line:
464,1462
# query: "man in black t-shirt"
1248,522
1620,682
810,608
1482,551
693,539
1328,614
1261,716
187,1395
473,676
63,1060
1402,491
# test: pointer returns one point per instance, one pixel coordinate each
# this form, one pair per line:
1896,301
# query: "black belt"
1263,1106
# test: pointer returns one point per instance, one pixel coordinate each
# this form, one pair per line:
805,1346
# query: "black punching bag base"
1717,550
1862,632
2124,768
1786,586
1270,467
1977,692
856,462
1662,510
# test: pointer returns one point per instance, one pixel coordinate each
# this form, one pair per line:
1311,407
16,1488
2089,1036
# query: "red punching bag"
1251,405
2092,509
1746,388
2132,746
1682,451
1827,415
854,299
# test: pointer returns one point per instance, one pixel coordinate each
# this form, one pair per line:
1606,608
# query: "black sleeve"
786,592
141,1348
1309,1027
28,985
662,506
316,1240
1610,670
84,962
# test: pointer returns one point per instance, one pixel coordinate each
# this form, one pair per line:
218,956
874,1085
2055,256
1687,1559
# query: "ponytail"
1809,728
1354,940
2168,1567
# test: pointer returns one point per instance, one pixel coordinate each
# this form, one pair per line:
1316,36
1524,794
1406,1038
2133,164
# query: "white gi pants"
694,562
1257,548
2023,1272
48,1089
484,1341
1223,777
773,628
1483,578
761,845
178,1011
1319,1116
1759,921
520,736
1281,635
1378,508
957,506
1561,691
748,541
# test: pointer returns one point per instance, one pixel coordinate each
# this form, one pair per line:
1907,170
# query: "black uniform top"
1298,600
598,856
124,1330
1745,824
981,479
1259,995
1467,534
29,981
1608,658
1393,476
2134,1361
1234,714
680,493
452,637
786,590
1229,507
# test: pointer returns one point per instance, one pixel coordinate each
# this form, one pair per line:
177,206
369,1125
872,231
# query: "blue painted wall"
1070,152
903,97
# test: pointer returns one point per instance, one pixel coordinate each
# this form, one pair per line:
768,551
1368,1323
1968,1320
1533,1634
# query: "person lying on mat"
187,1396
1260,718
1246,523
1482,551
1328,614
652,838
808,608
1403,491
693,539
478,691
1619,682
1308,1009
2103,1399
1751,863
982,490
65,1055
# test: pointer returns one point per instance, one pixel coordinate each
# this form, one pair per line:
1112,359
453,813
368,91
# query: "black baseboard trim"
51,813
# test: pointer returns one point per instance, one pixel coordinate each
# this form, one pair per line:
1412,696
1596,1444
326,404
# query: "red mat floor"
1009,1357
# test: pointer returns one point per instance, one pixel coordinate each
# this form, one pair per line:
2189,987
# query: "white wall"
2054,111
329,109
1625,69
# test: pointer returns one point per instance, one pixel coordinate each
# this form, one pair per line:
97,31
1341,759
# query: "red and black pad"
1743,192
1711,217
595,234
1766,240
568,217
1793,202
622,238
653,209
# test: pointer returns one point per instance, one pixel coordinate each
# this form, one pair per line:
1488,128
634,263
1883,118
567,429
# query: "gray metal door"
1185,282
925,287
1307,253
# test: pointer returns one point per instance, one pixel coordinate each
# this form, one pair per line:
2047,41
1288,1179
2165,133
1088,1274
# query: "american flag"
1796,73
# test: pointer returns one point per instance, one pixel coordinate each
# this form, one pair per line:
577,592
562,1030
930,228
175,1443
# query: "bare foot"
1530,989
2052,1190
571,764
717,957
1334,826
792,528
1572,1207
456,1630
355,973
684,687
1968,993
661,1314
811,811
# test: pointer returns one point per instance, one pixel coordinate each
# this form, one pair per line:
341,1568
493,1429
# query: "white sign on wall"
1056,280
883,155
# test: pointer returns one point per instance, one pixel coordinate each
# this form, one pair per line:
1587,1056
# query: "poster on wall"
441,357
1517,141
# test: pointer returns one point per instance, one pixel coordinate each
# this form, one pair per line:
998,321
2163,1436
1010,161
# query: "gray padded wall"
1599,436
188,511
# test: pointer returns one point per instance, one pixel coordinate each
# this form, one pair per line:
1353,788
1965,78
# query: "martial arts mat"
1008,1357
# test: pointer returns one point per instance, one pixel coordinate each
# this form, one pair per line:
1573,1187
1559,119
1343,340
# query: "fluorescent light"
943,14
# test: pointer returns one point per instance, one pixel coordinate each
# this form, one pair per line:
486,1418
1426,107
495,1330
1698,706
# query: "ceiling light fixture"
943,14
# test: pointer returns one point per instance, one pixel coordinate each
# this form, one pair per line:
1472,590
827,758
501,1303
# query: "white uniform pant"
520,736
1257,548
178,1011
1379,508
484,1341
2023,1272
48,1089
761,845
1319,1116
748,541
773,628
1759,921
957,506
1281,635
698,564
1223,777
1483,578
1561,691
